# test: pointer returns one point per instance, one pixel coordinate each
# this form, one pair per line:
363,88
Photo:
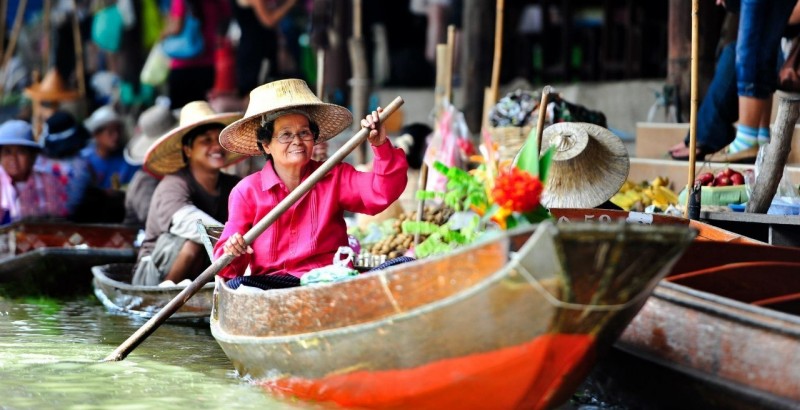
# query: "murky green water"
51,352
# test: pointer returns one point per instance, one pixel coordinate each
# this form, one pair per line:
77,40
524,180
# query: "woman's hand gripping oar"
148,328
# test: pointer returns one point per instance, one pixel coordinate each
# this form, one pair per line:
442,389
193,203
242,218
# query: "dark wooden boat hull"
56,271
751,346
112,286
455,331
727,315
56,258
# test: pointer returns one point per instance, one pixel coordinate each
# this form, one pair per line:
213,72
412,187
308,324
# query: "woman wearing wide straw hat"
189,158
284,120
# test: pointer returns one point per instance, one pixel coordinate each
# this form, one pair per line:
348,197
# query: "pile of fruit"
726,177
397,243
636,197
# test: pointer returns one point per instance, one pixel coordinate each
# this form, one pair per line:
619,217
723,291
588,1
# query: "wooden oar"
138,337
690,188
542,116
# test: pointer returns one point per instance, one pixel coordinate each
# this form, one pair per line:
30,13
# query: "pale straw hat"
589,165
274,99
153,123
165,155
51,88
102,117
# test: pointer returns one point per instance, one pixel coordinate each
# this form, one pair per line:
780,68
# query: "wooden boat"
728,314
56,258
515,322
112,286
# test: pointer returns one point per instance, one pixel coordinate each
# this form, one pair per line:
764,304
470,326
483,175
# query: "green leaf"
439,166
422,227
512,221
537,215
529,155
544,163
427,195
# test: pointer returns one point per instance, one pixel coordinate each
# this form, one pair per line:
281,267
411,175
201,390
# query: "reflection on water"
51,352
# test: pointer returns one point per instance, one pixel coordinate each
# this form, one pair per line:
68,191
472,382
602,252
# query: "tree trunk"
776,153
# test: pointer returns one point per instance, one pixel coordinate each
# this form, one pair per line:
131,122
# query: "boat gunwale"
727,308
54,251
99,276
102,277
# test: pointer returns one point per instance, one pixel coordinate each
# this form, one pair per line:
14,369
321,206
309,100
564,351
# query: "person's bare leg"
189,262
751,112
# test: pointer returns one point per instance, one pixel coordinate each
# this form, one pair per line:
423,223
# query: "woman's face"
205,151
17,161
292,142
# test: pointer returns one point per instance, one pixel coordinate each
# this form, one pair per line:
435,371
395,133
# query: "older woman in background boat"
284,121
25,192
193,188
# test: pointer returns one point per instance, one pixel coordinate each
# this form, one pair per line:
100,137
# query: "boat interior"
760,275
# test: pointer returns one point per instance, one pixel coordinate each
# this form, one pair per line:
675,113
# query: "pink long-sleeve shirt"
308,234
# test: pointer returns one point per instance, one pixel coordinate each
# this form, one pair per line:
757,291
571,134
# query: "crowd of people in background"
78,154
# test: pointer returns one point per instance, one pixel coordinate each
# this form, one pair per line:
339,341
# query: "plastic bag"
787,197
188,43
156,67
152,23
339,271
445,148
107,28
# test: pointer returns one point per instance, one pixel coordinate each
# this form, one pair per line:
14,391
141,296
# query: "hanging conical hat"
268,101
51,88
589,165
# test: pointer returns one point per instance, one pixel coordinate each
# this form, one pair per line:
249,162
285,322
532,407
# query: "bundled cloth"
519,108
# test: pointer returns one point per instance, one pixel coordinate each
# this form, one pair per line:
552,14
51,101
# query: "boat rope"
566,305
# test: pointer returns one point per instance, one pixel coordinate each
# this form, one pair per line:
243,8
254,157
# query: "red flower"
517,190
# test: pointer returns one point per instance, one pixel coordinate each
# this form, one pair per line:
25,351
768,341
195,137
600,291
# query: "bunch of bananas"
636,197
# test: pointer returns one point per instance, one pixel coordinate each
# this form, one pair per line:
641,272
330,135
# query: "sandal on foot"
747,156
683,154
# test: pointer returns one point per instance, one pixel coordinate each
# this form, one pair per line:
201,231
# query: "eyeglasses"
287,137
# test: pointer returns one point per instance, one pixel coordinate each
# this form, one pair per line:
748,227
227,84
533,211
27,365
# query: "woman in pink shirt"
284,120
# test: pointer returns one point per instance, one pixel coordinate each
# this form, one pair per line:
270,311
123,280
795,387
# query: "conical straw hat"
589,165
51,88
153,123
269,100
164,156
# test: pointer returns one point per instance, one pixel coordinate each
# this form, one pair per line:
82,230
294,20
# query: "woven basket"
509,140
